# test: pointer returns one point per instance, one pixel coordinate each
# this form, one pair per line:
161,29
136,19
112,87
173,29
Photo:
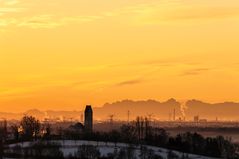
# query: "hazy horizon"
159,110
81,107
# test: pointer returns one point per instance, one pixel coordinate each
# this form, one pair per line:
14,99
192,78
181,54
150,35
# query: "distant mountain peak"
33,111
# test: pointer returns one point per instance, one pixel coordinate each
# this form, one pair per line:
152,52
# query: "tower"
88,119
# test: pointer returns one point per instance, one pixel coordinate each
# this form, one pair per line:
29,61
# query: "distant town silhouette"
167,110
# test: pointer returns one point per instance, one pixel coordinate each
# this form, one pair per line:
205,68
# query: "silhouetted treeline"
139,132
2,139
1,149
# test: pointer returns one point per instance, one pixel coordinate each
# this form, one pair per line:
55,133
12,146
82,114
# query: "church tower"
88,119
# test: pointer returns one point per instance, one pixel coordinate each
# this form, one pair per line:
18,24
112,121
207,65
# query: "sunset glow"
62,55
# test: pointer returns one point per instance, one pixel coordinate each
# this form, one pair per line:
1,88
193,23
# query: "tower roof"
88,108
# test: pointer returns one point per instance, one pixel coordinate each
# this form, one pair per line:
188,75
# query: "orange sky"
61,54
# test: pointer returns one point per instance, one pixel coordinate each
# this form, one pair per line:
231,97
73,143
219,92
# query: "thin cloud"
145,14
80,19
47,21
129,82
171,62
196,71
10,10
11,2
158,13
6,22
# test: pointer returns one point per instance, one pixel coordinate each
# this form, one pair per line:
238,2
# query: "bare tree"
14,129
31,127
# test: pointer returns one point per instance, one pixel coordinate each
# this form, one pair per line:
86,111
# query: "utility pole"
128,114
174,115
111,118
150,118
82,118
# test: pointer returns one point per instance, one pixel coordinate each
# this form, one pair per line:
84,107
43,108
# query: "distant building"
88,119
196,118
203,120
77,128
